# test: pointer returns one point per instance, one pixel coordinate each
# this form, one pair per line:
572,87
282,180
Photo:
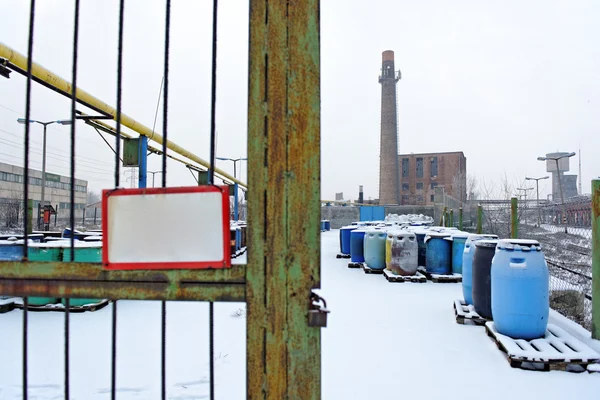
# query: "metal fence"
283,346
567,247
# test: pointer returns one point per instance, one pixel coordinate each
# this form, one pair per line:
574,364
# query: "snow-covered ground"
383,341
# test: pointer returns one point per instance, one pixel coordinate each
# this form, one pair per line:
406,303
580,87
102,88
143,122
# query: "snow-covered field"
383,341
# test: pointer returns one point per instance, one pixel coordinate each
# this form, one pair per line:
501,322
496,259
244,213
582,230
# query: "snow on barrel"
520,285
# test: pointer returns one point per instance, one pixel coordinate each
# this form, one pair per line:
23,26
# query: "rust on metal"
284,206
62,279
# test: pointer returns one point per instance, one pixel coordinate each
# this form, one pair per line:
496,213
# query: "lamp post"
45,124
537,190
562,197
235,185
525,195
153,173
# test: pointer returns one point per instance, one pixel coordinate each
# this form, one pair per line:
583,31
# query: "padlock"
317,314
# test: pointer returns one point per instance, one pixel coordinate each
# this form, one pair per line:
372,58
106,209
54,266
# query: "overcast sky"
502,81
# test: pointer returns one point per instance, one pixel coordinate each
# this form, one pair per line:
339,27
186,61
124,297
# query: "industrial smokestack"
389,171
360,195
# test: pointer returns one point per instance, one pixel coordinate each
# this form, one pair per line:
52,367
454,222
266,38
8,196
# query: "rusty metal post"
460,218
596,258
451,221
283,351
514,218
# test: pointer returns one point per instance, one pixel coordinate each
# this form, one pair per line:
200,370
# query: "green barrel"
88,252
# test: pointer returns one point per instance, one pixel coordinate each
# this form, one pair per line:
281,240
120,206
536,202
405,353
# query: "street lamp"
153,173
45,124
235,160
562,197
537,189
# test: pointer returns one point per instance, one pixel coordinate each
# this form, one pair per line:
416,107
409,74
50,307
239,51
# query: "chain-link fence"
565,233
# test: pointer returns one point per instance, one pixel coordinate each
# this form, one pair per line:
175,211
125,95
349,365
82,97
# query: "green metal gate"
283,351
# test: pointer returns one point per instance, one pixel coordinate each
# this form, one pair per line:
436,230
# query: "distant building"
420,174
339,196
569,182
57,192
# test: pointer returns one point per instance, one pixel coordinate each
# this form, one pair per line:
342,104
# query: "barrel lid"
438,234
459,235
486,243
348,227
519,244
376,231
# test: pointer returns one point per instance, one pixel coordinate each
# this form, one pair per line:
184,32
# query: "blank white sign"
173,227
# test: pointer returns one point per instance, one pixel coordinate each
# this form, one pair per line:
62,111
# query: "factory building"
57,192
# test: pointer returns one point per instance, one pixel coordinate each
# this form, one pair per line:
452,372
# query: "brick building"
421,173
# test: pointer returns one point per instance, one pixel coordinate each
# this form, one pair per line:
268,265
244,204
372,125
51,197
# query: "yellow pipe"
59,83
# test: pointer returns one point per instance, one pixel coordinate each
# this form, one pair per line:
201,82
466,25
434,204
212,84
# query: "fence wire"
565,233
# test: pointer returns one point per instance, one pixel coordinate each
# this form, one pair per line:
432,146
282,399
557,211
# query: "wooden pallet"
369,270
355,265
556,351
61,308
341,255
466,315
439,278
7,304
417,278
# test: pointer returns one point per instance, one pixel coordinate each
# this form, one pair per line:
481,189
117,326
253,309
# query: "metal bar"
514,218
596,258
67,347
211,348
94,272
303,210
460,218
479,219
283,205
25,348
143,162
199,291
118,114
113,354
83,97
451,221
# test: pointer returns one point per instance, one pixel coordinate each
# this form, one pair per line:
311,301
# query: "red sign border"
217,264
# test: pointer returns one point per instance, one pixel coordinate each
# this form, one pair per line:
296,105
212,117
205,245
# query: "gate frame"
283,352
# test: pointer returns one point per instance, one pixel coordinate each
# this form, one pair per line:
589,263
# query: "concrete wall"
340,216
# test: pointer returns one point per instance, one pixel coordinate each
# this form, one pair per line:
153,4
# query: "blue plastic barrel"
238,238
11,250
357,237
322,225
458,247
520,285
345,238
327,225
374,250
467,265
438,253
